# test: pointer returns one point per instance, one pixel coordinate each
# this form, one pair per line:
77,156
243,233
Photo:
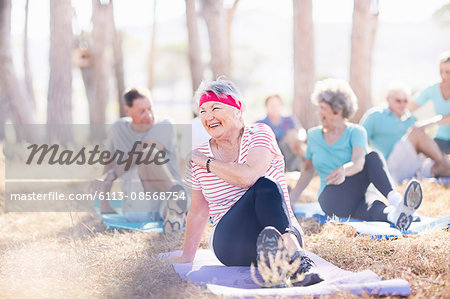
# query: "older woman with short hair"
337,150
237,179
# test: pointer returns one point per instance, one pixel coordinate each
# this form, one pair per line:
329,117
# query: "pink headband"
225,99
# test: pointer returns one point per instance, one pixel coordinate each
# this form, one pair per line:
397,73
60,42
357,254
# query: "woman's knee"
375,158
265,186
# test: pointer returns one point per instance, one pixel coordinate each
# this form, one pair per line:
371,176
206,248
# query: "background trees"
217,38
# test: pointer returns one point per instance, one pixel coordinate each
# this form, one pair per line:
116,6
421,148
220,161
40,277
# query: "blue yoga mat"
118,221
375,229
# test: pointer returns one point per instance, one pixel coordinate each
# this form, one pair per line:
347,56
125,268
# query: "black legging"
235,235
348,198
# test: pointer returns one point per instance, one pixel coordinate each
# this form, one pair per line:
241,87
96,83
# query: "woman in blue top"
337,150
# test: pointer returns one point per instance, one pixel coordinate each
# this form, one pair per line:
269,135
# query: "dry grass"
51,255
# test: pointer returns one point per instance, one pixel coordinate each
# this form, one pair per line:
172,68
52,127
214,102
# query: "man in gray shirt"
146,161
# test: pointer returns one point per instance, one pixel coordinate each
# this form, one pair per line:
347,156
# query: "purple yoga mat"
206,270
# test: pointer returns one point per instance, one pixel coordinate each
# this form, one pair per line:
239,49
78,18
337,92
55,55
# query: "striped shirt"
220,195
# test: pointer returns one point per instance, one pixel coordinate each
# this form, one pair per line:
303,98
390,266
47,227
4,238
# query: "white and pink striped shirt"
220,195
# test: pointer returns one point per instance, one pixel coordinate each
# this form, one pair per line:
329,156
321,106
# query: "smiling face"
397,101
219,120
327,115
140,112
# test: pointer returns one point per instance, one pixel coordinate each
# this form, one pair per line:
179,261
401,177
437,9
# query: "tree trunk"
230,16
304,79
118,63
26,62
101,36
214,15
59,105
151,56
195,59
363,36
59,102
12,96
118,69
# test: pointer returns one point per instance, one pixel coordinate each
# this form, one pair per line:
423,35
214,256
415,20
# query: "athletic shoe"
268,243
175,215
305,262
306,265
412,198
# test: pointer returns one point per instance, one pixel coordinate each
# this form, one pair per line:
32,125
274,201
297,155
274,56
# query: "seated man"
151,181
288,131
407,148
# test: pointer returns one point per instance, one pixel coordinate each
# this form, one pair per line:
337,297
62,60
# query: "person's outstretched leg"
423,143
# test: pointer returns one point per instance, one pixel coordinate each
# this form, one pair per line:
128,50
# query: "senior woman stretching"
337,151
237,179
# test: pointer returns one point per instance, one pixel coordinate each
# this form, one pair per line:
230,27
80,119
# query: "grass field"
72,255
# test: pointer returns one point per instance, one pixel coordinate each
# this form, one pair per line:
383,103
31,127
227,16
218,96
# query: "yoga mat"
207,271
375,229
118,221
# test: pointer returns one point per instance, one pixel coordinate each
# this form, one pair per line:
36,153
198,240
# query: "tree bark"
230,16
118,63
151,55
214,15
101,37
195,59
12,96
59,101
304,66
362,40
26,61
59,106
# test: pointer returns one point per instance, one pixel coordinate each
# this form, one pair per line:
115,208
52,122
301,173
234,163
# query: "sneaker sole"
413,195
267,243
176,212
412,199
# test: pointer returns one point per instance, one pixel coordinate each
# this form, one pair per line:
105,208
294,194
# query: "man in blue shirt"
407,148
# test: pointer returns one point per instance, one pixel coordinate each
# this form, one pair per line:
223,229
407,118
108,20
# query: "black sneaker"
306,264
268,243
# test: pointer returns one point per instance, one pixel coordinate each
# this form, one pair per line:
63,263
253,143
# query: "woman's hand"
199,158
336,177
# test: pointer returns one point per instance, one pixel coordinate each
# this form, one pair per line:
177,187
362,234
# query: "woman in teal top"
439,94
337,150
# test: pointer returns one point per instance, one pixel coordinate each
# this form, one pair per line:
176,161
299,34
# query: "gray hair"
398,86
338,94
220,86
444,57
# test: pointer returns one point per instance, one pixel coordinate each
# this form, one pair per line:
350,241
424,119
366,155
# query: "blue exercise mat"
118,221
375,229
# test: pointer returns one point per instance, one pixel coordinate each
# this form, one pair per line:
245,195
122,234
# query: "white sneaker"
401,216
